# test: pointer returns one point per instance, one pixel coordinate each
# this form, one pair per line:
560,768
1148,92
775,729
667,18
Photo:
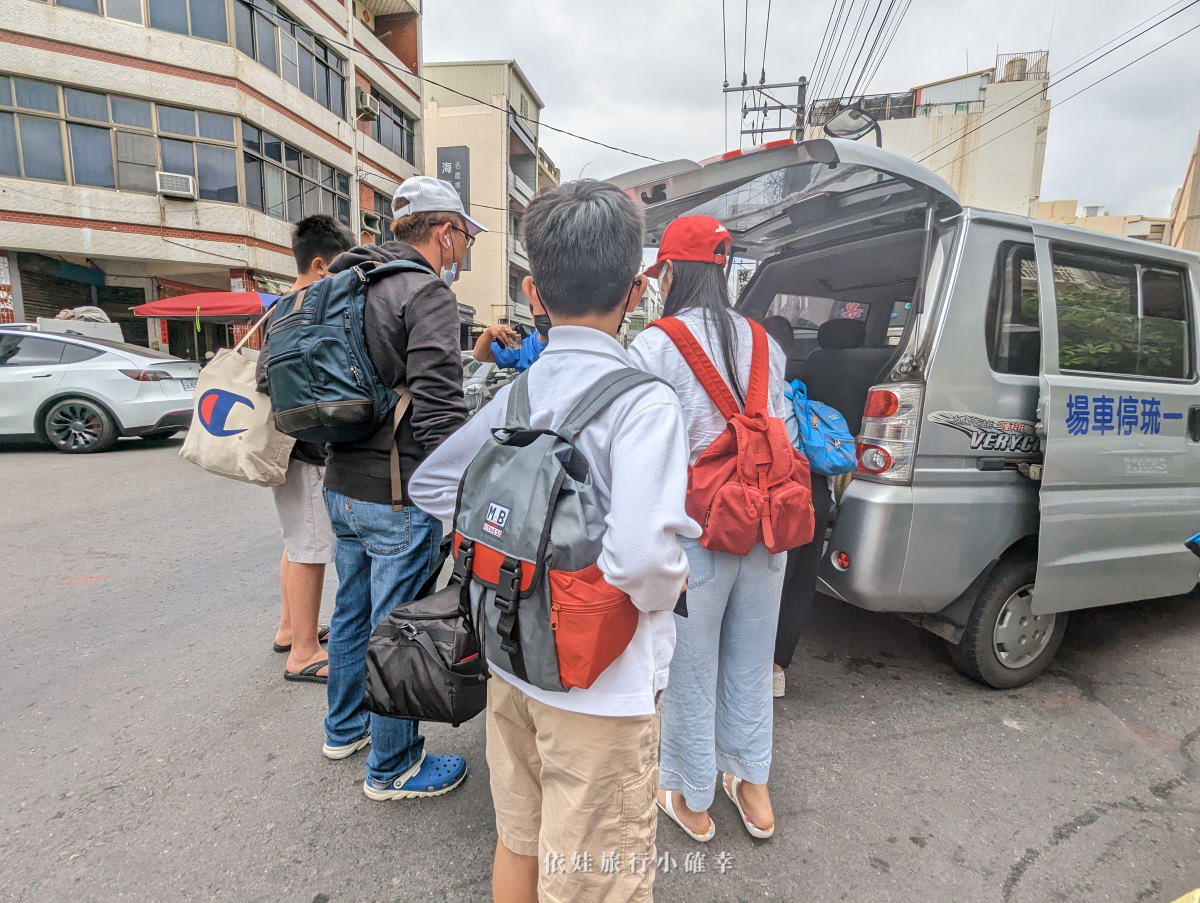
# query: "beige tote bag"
233,430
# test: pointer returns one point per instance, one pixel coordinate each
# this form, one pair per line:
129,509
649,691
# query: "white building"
983,132
152,148
492,156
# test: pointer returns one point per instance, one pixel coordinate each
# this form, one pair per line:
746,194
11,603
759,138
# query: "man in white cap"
383,554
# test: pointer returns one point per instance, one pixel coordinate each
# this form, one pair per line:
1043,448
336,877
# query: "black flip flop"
309,674
322,636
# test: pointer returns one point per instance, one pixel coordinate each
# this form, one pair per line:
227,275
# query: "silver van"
1024,394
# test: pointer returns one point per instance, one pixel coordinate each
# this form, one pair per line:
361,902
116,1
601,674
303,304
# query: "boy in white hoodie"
573,774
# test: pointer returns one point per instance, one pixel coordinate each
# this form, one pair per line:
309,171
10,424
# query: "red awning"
210,304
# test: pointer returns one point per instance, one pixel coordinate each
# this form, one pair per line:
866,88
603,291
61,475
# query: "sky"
646,75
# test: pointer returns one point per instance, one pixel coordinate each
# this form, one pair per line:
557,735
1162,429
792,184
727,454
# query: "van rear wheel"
1005,644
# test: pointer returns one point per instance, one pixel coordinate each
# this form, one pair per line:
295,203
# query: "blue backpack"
824,437
323,387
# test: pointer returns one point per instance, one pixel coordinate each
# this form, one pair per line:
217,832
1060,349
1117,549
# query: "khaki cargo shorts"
577,792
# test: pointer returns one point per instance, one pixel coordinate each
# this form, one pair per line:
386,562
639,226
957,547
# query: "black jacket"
411,326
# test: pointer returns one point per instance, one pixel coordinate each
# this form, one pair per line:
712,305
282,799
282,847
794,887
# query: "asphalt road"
152,751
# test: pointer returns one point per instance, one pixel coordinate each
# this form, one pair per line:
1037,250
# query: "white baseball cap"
425,194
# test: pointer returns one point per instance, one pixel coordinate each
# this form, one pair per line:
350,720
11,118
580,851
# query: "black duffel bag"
424,661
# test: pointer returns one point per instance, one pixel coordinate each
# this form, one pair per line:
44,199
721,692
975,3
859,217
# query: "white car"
80,393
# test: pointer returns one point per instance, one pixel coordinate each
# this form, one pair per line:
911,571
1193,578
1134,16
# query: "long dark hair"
704,286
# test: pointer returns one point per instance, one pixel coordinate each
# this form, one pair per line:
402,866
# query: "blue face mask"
449,273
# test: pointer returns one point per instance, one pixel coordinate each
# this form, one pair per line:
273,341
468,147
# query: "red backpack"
750,485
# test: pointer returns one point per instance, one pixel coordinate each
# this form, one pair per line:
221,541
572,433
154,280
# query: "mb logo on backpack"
528,527
323,386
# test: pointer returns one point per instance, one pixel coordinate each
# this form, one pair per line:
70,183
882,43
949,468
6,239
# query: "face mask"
449,274
542,323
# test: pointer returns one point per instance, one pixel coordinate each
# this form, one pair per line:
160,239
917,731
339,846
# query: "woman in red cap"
717,708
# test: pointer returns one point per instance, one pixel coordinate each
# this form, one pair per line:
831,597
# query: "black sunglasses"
467,235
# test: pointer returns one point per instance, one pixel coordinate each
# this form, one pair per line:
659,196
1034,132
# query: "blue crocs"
432,776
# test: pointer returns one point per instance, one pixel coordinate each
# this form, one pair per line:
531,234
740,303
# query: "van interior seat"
841,370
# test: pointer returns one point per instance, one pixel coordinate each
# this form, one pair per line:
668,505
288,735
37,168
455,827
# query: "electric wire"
854,38
883,27
725,72
861,47
1040,90
745,41
814,71
426,79
762,79
1103,78
835,37
887,45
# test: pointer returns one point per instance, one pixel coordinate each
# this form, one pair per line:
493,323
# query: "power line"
861,47
427,80
725,71
883,27
1103,78
745,40
1039,90
862,17
816,66
887,45
762,79
835,37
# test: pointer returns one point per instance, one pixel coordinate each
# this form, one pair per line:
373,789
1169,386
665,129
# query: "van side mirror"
853,123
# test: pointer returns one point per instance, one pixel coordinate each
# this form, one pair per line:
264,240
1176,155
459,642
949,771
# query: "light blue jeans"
383,557
717,711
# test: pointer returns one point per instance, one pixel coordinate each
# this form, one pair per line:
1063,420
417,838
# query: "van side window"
1014,338
1121,316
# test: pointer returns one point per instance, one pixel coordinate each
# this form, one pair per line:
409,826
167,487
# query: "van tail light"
147,376
887,440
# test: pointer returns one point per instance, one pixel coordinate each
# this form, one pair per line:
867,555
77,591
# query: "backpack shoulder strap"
517,416
760,370
604,392
712,381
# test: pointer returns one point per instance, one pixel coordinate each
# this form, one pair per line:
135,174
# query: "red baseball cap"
702,239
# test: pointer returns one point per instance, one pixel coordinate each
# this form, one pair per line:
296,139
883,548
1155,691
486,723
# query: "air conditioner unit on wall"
175,185
365,106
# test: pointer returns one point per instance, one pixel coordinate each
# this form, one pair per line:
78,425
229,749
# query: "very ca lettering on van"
991,433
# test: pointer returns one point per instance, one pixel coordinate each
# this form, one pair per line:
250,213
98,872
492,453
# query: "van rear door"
786,193
1120,488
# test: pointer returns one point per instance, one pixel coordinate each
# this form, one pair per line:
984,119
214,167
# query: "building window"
111,142
264,33
284,182
383,208
199,18
393,129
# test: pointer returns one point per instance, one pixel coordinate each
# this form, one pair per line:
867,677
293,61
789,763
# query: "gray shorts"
303,520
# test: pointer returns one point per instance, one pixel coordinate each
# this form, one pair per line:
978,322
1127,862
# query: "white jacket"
654,352
637,449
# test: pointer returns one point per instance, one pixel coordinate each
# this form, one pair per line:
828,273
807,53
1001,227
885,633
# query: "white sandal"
731,791
669,808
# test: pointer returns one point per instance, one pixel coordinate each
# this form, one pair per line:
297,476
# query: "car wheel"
159,436
76,426
1005,644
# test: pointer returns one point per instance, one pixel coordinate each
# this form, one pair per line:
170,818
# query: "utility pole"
771,104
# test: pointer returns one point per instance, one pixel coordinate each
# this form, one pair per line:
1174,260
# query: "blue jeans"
383,557
717,710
